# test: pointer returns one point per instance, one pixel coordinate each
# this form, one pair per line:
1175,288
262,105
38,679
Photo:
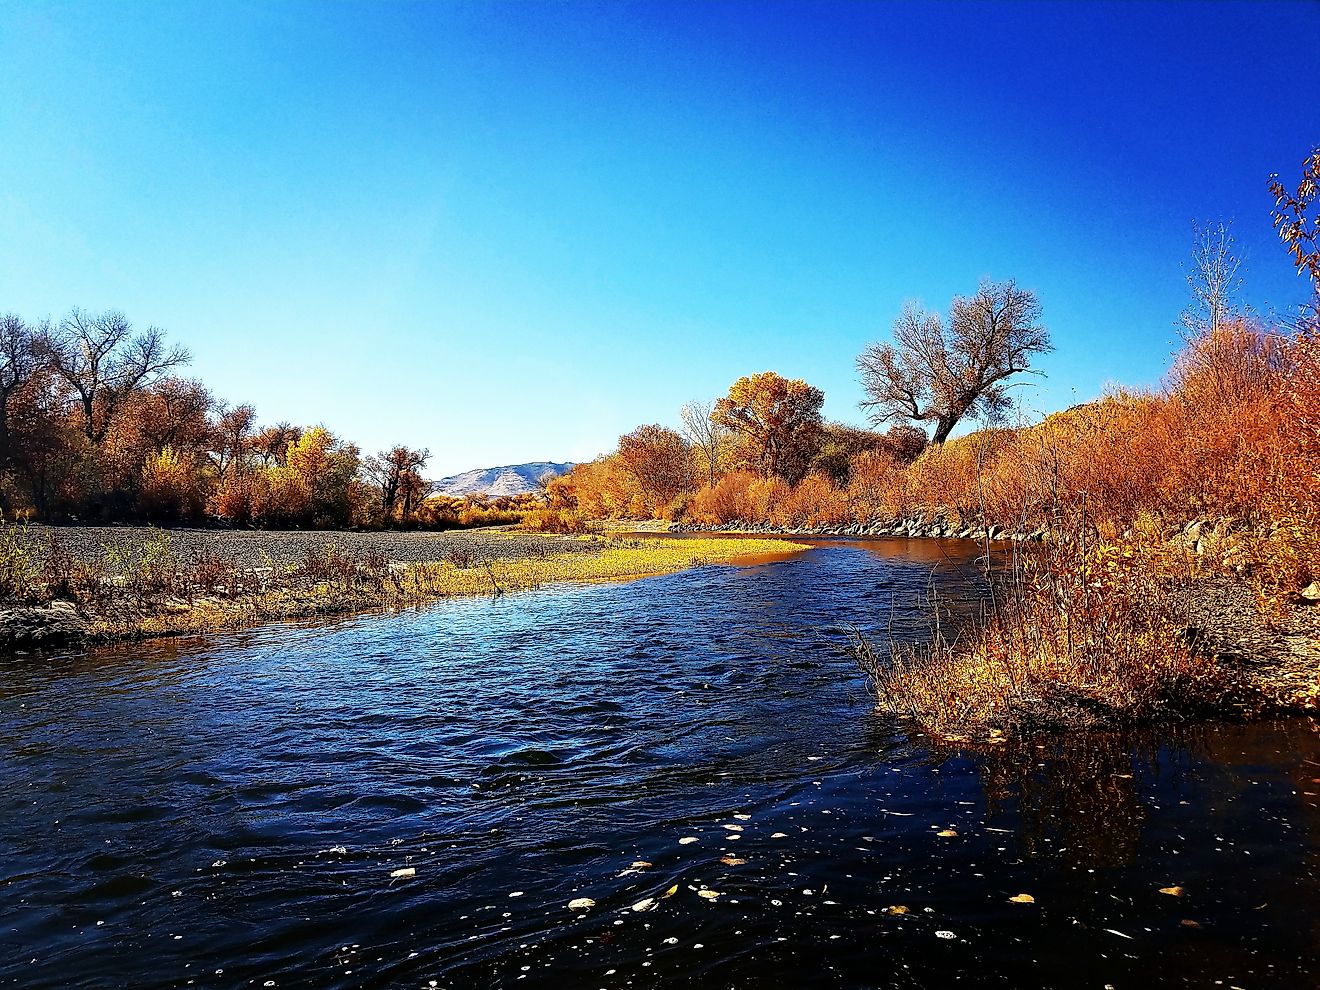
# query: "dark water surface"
227,812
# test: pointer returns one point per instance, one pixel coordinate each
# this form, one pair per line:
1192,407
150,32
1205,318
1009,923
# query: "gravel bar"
279,548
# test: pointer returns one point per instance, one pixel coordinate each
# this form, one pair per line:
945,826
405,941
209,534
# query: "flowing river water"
232,811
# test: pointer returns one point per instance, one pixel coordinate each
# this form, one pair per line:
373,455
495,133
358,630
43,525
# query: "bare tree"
704,433
397,473
938,374
20,361
103,361
1213,279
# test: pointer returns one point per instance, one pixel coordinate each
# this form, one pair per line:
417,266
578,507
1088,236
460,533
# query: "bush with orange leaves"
232,498
604,489
814,501
727,502
1293,496
877,486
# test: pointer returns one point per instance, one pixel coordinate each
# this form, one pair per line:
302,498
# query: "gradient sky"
511,232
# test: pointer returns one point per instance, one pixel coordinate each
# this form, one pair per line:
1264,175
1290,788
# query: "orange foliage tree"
777,421
660,461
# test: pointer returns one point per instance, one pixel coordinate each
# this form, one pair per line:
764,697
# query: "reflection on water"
229,811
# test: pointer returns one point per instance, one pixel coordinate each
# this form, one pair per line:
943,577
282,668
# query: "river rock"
35,626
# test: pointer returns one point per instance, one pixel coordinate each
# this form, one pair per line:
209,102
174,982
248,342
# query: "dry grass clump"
144,588
558,519
1078,635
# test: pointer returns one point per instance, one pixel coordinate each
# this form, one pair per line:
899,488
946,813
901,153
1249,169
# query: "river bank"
1254,653
62,587
918,526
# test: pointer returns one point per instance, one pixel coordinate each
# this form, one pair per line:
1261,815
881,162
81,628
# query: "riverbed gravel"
279,548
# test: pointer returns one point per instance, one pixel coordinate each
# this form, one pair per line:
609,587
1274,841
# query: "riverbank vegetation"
99,423
147,587
1133,498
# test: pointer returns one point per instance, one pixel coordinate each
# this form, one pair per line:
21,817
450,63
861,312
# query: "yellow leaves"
732,860
897,909
670,892
1173,891
947,833
613,562
1022,899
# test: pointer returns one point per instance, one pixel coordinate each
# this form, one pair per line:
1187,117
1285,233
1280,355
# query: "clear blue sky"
512,232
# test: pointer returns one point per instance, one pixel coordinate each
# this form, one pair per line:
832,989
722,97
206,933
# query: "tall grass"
1078,634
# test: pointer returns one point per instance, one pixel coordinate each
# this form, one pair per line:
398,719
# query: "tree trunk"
943,427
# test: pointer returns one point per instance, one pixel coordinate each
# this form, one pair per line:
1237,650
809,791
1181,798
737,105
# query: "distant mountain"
513,479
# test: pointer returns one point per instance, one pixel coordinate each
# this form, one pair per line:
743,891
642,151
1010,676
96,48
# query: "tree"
1299,232
839,445
938,374
396,473
327,467
1213,280
660,460
705,435
272,443
174,412
20,362
103,361
777,421
413,490
232,439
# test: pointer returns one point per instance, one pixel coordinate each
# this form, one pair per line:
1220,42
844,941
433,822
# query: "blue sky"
512,232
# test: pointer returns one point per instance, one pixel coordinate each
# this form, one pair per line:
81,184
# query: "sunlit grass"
188,600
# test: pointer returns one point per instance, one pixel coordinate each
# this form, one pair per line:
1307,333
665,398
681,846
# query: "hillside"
512,479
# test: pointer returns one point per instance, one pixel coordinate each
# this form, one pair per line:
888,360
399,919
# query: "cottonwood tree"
413,491
396,473
103,362
326,468
661,461
705,435
777,421
938,373
232,438
174,412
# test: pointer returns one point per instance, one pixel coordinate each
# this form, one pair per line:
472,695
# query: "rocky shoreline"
911,527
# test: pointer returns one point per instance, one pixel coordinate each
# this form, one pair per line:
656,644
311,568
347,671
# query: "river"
234,810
